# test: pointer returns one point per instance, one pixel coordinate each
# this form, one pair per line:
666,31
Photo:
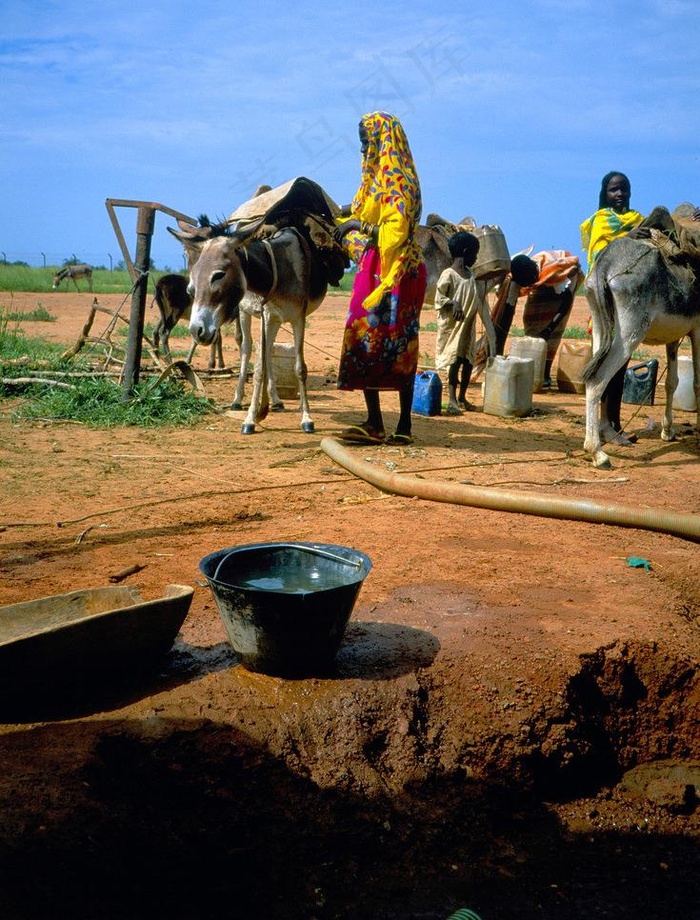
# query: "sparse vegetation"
98,402
31,368
14,346
39,315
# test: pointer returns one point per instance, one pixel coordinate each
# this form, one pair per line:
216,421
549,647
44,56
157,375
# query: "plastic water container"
283,369
531,347
684,397
508,385
640,383
573,357
493,258
427,394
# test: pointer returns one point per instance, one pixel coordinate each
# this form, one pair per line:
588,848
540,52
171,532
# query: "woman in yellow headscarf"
380,343
613,218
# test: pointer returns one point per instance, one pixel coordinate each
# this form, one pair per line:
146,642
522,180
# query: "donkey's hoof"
601,461
248,428
237,407
277,407
308,427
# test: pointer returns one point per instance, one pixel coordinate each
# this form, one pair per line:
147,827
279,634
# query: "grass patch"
14,345
571,332
99,403
16,277
576,332
38,315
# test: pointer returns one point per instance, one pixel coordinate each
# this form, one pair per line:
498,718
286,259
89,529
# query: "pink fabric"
380,346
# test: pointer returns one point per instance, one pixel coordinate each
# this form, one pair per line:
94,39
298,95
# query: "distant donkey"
72,272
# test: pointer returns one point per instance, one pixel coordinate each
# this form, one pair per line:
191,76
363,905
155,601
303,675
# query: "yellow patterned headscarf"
603,227
389,197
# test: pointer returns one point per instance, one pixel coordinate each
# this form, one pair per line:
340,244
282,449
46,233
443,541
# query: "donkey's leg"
216,352
300,369
276,404
162,341
157,336
667,432
694,336
219,359
598,428
248,426
593,441
244,337
272,326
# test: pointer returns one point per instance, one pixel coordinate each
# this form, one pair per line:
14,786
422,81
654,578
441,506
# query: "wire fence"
109,260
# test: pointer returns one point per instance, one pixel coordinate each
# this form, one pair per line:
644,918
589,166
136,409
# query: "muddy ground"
512,723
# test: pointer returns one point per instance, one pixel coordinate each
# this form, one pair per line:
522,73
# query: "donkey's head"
217,279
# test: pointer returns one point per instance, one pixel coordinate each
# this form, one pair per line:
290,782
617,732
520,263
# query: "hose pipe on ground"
686,526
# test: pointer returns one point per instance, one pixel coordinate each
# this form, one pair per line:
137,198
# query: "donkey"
287,280
71,272
242,321
436,255
637,294
174,303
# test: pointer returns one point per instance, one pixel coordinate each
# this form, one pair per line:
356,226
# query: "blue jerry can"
427,394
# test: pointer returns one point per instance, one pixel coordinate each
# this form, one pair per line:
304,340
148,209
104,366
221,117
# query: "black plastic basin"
285,606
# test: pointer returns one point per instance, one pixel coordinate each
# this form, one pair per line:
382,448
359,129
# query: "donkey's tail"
600,301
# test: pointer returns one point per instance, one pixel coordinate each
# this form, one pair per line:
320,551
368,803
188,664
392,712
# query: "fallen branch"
83,337
187,372
131,570
75,374
81,536
23,381
24,361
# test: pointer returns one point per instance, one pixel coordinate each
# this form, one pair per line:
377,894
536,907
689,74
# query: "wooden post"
144,231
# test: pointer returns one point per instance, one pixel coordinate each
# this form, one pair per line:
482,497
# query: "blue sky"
513,111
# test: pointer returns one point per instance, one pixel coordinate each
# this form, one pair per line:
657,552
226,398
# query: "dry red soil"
513,721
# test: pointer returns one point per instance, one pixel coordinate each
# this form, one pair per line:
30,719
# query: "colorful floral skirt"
380,346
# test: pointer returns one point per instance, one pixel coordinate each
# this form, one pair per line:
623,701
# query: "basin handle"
314,550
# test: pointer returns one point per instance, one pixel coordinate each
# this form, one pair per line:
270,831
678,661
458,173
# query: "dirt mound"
503,680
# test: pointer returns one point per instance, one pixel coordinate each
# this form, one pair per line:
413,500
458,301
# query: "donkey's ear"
189,235
185,226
